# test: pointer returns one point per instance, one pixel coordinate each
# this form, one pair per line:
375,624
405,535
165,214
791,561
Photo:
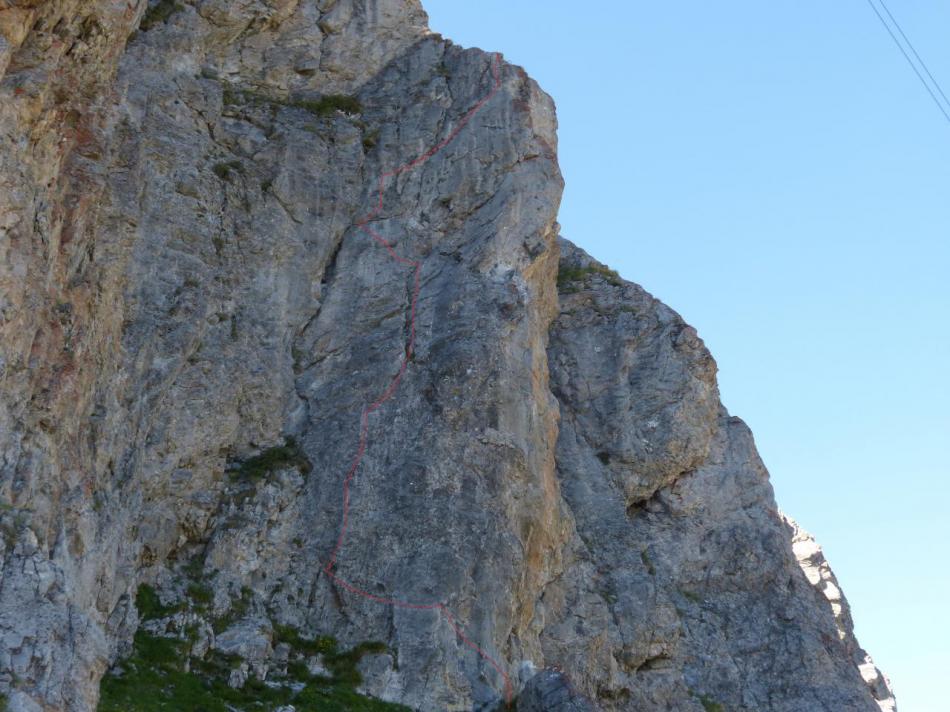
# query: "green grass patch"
337,698
328,104
224,169
692,596
325,645
216,664
232,97
237,611
200,594
150,606
325,106
195,568
153,679
159,13
341,664
569,275
287,455
710,705
370,139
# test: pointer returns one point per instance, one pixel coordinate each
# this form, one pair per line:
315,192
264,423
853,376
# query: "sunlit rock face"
273,266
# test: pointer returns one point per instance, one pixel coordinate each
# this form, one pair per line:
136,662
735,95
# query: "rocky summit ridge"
305,404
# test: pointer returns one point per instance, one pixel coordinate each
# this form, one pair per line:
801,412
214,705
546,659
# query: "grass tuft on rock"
370,139
569,275
317,646
200,594
328,104
691,595
159,676
150,606
159,13
341,664
224,169
237,611
287,455
325,106
710,705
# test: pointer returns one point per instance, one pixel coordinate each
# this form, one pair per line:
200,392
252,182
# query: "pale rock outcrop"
553,485
821,577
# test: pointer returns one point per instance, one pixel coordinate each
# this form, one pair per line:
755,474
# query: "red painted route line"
363,224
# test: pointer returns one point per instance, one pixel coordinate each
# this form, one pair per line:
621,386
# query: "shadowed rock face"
681,583
193,322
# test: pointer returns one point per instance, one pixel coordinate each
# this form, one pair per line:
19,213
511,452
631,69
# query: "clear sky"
776,173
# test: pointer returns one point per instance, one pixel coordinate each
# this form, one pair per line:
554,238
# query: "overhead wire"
912,49
943,109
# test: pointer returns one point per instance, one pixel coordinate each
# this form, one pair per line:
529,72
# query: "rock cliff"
304,404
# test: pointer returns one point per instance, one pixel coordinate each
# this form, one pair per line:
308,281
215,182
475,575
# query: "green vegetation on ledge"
224,168
239,608
709,704
568,276
160,676
287,455
149,606
342,664
158,13
325,106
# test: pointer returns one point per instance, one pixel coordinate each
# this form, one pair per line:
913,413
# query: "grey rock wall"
552,496
683,590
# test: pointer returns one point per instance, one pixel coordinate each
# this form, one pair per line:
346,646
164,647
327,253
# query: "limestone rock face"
689,587
822,578
291,352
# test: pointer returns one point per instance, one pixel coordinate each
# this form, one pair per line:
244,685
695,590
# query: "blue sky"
776,173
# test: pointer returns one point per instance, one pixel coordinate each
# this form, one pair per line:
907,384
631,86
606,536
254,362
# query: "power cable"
913,66
911,45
